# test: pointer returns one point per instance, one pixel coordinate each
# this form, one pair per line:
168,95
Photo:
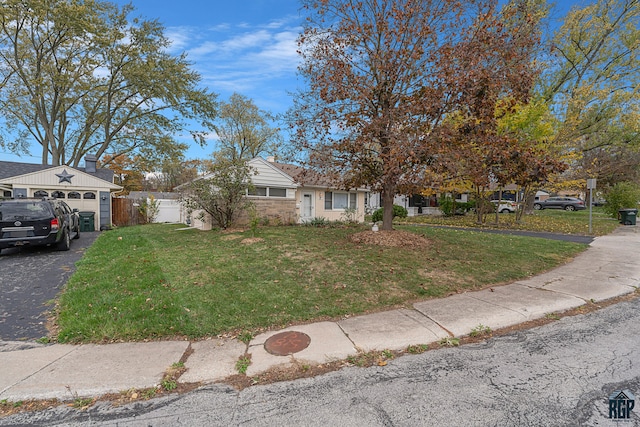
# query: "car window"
24,211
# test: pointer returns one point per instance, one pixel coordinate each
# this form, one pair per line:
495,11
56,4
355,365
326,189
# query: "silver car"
566,203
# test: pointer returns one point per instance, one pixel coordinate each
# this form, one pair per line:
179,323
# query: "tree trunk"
498,206
387,208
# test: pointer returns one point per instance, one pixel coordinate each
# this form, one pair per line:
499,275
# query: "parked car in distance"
566,203
505,206
37,221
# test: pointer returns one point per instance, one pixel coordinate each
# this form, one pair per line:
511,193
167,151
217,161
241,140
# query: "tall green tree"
593,85
497,73
535,158
244,131
79,76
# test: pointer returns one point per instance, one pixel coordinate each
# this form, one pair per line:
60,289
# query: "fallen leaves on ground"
391,238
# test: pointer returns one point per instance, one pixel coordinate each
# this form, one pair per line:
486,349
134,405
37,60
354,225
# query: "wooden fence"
125,213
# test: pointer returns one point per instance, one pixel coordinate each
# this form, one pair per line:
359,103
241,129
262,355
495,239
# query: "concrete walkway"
608,269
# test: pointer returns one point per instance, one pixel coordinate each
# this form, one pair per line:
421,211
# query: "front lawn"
158,281
550,220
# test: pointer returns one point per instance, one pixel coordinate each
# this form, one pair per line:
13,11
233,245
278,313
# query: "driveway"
30,280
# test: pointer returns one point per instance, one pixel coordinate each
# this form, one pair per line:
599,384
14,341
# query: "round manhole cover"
286,343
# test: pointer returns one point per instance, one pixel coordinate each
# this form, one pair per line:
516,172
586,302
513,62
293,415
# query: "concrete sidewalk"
608,269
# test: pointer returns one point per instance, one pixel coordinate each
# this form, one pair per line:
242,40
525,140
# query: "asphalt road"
30,279
560,374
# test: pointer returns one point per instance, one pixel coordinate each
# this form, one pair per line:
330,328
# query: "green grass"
550,220
155,281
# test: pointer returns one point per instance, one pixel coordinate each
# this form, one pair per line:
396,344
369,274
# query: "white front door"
306,211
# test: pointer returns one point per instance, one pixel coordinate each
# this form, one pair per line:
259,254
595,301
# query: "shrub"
449,207
620,196
350,216
149,208
398,211
446,204
464,207
222,195
318,222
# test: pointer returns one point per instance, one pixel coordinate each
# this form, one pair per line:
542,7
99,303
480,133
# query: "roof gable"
52,176
269,175
272,174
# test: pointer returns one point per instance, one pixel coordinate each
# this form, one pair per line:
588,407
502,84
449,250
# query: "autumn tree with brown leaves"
382,76
495,73
126,172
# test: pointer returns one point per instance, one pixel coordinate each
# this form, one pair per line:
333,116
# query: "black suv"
37,222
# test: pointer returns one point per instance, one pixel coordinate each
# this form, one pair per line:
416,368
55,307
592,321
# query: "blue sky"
246,46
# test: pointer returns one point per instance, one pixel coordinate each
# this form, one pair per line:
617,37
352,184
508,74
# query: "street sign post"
591,185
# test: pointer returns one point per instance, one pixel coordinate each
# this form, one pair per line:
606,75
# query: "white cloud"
258,61
282,50
233,45
180,37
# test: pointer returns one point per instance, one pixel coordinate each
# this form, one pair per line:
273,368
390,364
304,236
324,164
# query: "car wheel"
77,235
537,206
65,243
505,211
569,208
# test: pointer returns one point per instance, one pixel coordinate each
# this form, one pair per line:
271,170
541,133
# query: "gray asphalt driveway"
30,279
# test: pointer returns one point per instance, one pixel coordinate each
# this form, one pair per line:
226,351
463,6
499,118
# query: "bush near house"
449,206
623,195
398,211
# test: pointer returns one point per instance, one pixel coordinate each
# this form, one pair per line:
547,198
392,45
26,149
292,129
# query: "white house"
87,189
287,194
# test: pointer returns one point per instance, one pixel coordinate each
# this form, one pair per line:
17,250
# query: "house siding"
282,210
329,214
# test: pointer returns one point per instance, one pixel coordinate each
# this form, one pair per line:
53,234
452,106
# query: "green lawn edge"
160,281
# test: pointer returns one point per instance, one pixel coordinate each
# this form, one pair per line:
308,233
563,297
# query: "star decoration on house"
64,176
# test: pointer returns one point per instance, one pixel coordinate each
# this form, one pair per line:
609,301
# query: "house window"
268,192
335,200
258,191
340,200
277,192
58,194
418,201
74,195
89,195
40,193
